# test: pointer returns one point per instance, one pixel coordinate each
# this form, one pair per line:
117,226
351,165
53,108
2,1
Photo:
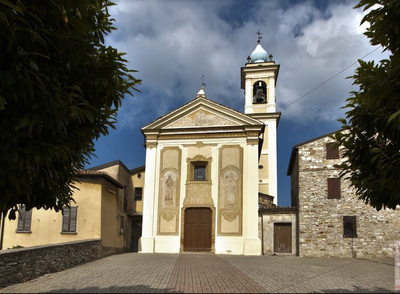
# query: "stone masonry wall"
266,229
21,265
321,219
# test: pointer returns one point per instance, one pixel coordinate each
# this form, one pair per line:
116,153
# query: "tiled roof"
97,174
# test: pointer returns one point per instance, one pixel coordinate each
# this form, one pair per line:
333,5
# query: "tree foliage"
60,88
371,133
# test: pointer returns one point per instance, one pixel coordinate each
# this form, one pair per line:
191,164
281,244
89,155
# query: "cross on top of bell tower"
259,36
258,80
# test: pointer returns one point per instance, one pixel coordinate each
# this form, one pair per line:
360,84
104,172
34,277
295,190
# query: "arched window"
260,92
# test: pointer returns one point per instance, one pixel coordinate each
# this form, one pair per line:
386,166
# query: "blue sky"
172,43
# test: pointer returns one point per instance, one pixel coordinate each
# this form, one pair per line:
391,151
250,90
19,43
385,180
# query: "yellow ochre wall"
46,224
111,219
137,183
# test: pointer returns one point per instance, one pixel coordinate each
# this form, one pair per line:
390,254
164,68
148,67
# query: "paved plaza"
210,273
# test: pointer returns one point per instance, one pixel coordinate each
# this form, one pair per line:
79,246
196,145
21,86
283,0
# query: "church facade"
206,165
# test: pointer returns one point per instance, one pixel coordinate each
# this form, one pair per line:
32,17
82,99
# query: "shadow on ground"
357,289
115,289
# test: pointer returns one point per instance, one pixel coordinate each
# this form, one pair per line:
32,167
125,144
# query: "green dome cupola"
259,54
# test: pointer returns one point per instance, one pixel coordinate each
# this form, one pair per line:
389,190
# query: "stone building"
331,220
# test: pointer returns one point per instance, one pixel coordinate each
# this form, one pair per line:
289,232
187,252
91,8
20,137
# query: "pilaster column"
252,243
271,98
147,240
272,160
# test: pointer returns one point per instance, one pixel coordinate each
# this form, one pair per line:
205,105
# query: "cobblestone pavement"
209,273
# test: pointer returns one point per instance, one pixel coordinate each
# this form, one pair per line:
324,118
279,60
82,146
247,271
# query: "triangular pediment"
202,118
200,113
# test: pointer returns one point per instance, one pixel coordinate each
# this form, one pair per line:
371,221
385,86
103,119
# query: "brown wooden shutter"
331,151
349,226
73,219
334,188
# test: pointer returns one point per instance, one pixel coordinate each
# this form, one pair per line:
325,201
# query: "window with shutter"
349,226
334,188
65,223
70,215
138,194
331,151
72,222
24,220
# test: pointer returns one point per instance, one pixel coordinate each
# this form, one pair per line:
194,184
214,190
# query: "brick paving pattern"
290,274
206,273
209,273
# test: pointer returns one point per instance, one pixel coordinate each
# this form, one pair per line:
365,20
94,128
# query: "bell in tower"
259,92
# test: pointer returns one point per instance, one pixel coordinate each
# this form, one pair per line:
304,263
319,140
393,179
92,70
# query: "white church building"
207,164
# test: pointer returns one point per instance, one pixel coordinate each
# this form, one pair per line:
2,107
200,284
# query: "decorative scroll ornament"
230,215
168,214
198,194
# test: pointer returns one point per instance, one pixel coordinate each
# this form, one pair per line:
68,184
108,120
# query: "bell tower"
258,80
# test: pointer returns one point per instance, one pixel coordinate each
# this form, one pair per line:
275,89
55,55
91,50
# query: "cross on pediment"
202,81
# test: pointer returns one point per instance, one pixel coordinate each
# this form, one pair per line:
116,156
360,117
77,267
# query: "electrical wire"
113,149
293,102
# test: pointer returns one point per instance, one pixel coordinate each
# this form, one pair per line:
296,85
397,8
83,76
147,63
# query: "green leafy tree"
60,88
371,134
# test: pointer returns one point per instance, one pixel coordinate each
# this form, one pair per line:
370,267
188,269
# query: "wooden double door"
198,225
